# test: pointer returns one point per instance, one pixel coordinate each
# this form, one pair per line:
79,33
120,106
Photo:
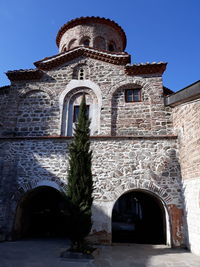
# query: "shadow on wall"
37,114
41,213
37,208
26,200
187,236
114,115
177,213
23,176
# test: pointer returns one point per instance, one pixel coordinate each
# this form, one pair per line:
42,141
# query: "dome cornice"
84,20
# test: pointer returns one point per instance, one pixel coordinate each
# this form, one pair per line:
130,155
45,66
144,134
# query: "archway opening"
42,212
138,217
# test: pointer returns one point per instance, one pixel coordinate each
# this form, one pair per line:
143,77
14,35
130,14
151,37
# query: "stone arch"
39,208
22,190
144,215
146,185
32,184
154,189
73,88
24,93
131,80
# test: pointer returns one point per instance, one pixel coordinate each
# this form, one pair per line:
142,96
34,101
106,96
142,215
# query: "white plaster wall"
192,201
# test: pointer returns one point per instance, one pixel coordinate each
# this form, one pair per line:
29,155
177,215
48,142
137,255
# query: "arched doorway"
42,212
138,217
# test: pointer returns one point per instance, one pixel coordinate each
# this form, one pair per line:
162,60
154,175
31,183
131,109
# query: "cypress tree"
80,184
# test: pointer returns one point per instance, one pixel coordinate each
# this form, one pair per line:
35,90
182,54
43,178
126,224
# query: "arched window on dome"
111,46
100,43
72,44
85,41
64,49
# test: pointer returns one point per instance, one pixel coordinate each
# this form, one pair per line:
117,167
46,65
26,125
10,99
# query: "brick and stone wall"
186,119
35,110
150,164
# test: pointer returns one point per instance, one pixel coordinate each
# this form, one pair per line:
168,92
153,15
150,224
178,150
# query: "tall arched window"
71,110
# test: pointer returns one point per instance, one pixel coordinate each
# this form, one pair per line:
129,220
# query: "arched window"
111,46
72,44
64,49
72,110
85,41
99,42
70,100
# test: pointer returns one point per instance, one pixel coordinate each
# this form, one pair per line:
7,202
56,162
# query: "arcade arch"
41,212
139,216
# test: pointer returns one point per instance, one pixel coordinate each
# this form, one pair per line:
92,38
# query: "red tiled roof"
19,75
119,58
145,68
84,20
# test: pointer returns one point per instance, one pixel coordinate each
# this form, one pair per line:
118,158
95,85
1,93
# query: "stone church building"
145,141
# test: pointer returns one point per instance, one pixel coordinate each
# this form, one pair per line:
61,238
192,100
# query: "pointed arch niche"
70,100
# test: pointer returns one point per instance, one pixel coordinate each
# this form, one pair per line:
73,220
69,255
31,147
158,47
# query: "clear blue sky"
157,30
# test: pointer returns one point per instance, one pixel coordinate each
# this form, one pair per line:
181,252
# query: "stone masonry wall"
34,107
187,124
129,164
4,106
141,118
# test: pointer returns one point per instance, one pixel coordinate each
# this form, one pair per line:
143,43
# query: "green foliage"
80,184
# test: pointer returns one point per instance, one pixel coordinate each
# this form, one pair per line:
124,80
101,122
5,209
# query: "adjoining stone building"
145,143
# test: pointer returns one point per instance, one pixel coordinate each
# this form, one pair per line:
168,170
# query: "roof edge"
188,93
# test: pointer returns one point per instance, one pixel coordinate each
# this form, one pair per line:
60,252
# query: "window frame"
75,117
133,89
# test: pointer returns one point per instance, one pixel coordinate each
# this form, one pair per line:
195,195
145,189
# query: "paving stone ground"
45,253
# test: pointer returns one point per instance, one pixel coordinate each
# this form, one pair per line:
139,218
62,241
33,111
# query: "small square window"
133,95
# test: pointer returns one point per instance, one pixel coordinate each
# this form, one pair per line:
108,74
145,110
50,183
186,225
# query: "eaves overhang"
189,93
146,68
116,58
21,75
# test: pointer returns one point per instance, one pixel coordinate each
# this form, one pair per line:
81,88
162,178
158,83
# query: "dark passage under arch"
138,217
42,212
